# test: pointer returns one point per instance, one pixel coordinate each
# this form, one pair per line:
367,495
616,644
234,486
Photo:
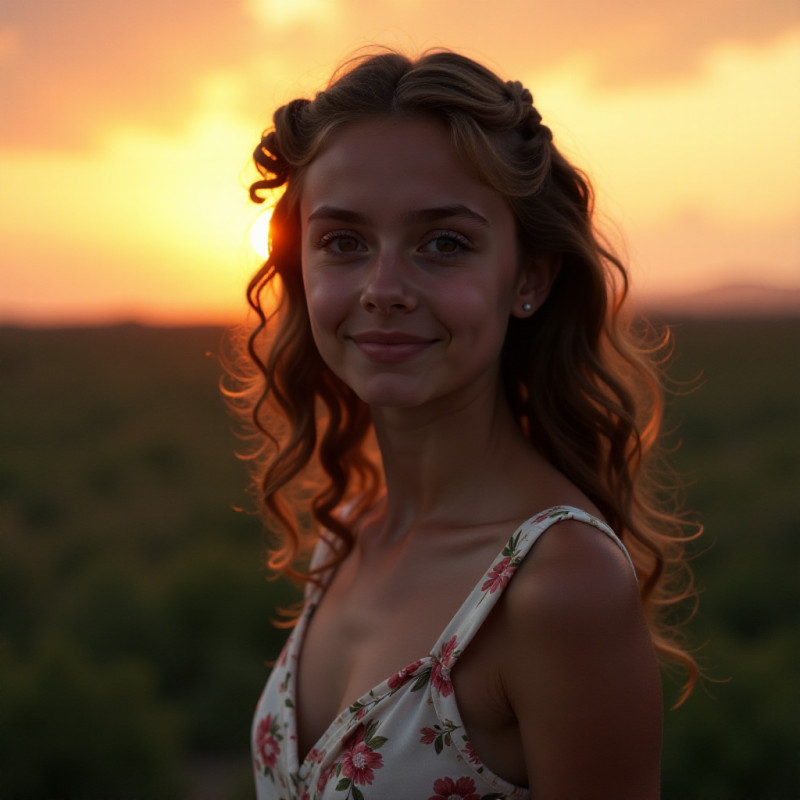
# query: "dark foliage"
135,613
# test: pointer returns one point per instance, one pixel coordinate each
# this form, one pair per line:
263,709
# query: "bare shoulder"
575,572
580,672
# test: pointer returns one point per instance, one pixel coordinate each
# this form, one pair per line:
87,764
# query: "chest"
376,617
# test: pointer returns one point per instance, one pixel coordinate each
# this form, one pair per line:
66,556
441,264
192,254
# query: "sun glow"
141,209
259,233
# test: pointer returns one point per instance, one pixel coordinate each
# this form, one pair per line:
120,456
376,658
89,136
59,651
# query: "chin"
391,396
390,400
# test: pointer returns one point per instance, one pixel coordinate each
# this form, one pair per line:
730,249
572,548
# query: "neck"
452,465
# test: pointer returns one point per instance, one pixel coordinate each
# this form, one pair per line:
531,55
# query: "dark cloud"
81,62
649,42
78,65
626,41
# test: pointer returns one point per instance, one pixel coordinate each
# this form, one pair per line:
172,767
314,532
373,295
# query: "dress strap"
468,619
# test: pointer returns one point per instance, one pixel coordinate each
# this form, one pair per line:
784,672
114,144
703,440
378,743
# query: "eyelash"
462,241
326,241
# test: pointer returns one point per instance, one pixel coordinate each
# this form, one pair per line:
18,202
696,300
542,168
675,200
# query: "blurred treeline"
135,613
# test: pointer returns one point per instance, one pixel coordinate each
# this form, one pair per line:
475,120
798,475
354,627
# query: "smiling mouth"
388,347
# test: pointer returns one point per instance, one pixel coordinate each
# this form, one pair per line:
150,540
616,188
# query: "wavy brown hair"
584,387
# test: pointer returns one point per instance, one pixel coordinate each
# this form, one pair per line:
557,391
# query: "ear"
536,278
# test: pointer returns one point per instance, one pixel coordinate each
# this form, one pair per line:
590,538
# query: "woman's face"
410,265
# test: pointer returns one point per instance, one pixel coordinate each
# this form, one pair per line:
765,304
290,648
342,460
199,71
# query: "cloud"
725,140
637,43
80,65
70,69
626,41
283,15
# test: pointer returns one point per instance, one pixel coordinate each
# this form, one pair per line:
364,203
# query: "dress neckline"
380,690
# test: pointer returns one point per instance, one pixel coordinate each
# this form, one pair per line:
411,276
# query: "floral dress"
404,739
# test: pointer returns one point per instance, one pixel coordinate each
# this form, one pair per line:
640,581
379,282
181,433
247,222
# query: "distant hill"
735,300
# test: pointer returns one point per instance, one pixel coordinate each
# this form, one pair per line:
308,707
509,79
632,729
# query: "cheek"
480,305
478,314
327,304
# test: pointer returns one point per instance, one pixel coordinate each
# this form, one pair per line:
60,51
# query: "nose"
387,287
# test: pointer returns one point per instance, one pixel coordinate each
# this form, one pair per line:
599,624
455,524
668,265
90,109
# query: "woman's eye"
446,244
340,242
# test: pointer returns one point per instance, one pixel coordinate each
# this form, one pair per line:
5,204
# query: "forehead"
394,164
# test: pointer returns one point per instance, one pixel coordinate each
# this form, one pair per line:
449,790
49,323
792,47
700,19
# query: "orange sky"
126,128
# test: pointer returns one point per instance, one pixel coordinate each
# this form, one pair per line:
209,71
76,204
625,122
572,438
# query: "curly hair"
584,383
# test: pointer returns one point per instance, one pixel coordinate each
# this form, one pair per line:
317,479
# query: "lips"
390,346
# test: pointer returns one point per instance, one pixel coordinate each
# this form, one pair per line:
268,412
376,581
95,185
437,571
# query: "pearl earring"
527,307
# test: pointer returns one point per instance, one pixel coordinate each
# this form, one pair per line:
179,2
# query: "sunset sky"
126,129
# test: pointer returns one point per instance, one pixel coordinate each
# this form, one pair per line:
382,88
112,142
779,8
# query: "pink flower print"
440,672
267,747
499,576
440,736
359,760
403,676
472,756
556,513
448,789
324,777
428,735
540,517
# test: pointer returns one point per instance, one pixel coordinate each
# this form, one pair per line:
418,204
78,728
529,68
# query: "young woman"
459,424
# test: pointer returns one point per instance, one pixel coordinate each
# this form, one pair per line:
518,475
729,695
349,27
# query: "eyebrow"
421,215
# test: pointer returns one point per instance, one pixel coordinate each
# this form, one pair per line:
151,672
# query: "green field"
135,612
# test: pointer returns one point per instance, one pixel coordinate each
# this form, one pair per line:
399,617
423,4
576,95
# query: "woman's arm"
580,671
